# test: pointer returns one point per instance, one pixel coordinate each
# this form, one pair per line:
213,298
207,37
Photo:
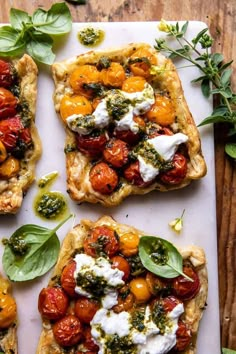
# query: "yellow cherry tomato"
3,152
162,112
142,67
84,74
74,105
8,310
134,84
129,244
114,75
139,288
9,168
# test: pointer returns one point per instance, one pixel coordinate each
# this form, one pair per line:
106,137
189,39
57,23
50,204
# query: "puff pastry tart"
19,141
128,127
8,336
101,299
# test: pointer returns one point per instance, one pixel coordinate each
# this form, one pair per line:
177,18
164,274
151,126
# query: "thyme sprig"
215,76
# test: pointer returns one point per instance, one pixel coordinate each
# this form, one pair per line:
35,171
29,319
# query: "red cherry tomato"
184,288
68,282
153,132
170,302
5,74
85,309
103,178
116,152
101,239
67,331
177,173
89,342
183,337
25,135
52,303
122,264
8,103
92,145
10,129
132,174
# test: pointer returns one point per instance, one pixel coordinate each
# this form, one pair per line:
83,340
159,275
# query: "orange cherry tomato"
68,282
93,144
83,75
9,168
134,84
74,105
184,288
8,103
183,337
103,178
101,239
7,310
3,152
139,288
129,244
122,264
114,75
162,111
177,173
6,78
116,152
85,309
141,61
67,331
53,303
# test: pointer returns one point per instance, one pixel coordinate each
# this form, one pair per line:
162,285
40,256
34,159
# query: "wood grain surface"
220,16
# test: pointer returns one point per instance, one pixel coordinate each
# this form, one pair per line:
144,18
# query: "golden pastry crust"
12,190
8,336
78,165
74,241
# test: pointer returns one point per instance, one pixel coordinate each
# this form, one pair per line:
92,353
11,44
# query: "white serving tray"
150,213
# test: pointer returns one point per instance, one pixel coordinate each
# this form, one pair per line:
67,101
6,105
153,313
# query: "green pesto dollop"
90,36
17,244
50,205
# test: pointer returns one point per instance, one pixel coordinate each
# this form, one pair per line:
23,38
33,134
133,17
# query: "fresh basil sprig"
31,251
161,257
215,74
33,34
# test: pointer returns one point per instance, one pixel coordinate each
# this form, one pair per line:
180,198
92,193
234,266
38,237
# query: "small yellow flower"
177,223
163,26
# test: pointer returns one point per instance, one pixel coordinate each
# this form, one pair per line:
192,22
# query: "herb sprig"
34,34
215,76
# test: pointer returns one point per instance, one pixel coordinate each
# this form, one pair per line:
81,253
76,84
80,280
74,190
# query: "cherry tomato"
85,309
128,136
10,129
139,288
116,152
114,75
101,239
144,59
9,168
125,300
162,111
68,282
92,145
134,84
122,264
8,103
129,244
25,135
89,342
153,132
183,337
170,302
53,303
103,178
83,75
74,105
3,152
7,310
5,74
184,288
67,331
132,174
177,173
155,283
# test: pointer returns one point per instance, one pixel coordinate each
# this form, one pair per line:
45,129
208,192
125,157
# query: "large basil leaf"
40,48
10,43
19,18
172,264
55,21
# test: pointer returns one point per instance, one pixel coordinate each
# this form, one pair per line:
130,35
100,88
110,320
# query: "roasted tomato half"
6,78
103,178
177,173
53,303
184,288
101,239
8,103
93,144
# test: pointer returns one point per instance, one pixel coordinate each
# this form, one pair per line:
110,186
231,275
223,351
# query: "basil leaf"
40,48
10,44
170,260
228,351
56,21
230,150
40,252
18,18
